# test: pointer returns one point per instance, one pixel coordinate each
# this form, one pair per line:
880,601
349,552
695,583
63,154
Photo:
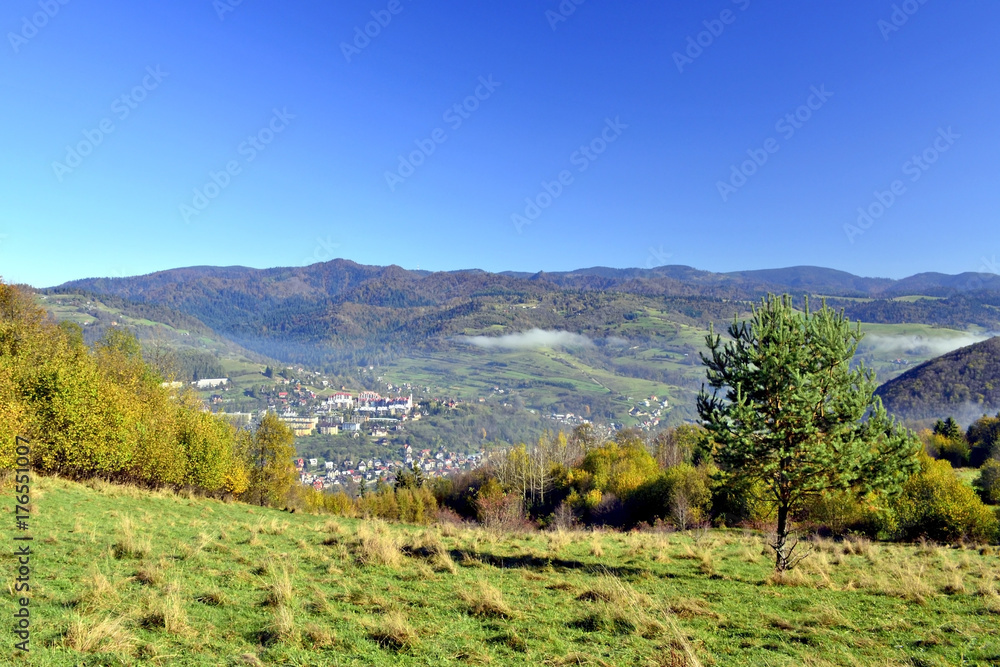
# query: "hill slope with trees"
343,312
964,383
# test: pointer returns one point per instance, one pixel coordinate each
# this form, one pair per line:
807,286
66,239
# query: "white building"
210,384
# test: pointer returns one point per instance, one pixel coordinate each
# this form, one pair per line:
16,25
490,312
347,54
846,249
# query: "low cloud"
919,345
529,340
616,341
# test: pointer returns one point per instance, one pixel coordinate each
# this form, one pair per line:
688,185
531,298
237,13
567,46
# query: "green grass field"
126,577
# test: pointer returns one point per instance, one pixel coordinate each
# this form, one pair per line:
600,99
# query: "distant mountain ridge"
339,275
350,312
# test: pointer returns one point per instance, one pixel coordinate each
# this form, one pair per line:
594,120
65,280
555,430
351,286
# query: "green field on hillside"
126,577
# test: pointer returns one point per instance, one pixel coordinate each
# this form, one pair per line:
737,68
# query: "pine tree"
787,410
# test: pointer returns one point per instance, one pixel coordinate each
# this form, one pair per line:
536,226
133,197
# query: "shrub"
620,467
690,496
950,446
739,501
837,511
935,504
988,482
499,511
681,493
983,437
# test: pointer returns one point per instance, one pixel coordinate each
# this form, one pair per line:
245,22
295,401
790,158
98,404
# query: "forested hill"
343,312
343,278
964,383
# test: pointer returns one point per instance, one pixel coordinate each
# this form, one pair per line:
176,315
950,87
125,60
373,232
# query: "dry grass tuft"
394,633
150,574
618,610
317,637
512,641
561,586
862,546
319,604
106,635
692,608
129,545
281,629
987,591
279,590
905,580
486,601
596,545
377,545
795,577
213,598
558,539
706,562
577,659
98,592
955,584
442,562
167,613
829,616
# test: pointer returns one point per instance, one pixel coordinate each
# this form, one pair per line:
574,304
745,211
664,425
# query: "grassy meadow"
128,577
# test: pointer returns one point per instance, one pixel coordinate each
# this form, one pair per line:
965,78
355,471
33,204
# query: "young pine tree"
787,410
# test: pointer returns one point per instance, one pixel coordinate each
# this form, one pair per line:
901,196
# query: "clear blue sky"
320,190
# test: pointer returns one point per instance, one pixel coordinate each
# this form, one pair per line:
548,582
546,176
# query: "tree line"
102,411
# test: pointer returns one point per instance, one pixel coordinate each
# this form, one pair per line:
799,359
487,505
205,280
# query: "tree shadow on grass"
530,562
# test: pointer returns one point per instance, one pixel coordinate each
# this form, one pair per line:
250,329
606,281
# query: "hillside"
122,576
607,339
964,383
343,312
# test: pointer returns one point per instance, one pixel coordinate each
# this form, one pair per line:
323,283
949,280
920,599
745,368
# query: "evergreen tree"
418,476
787,410
949,429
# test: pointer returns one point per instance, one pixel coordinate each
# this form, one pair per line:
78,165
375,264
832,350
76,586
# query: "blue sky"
586,134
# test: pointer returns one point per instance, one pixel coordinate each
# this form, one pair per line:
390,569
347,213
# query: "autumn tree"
677,445
786,409
269,455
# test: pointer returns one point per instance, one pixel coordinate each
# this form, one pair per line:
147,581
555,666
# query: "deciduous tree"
270,460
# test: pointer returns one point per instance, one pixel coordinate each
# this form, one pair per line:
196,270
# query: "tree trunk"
780,546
